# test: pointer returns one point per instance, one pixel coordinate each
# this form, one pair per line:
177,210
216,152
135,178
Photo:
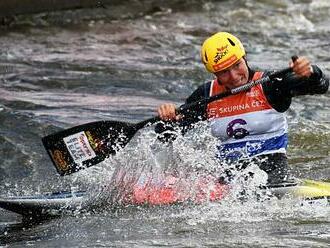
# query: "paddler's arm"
185,121
307,80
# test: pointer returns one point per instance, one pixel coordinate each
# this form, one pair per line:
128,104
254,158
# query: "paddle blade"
82,146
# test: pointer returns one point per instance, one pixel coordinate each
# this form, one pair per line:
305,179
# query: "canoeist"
251,126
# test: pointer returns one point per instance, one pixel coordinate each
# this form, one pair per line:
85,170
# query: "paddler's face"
235,75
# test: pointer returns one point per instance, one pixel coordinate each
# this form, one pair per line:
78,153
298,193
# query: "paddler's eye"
237,65
223,73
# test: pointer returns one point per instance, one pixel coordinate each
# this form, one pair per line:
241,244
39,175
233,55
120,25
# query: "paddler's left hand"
302,67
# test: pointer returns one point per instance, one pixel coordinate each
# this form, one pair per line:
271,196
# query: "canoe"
63,203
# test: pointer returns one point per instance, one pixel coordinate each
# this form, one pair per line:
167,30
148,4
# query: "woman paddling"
251,126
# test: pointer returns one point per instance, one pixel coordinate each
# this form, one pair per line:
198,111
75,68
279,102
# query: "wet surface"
63,69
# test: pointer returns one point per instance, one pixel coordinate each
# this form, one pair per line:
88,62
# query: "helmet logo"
221,52
232,59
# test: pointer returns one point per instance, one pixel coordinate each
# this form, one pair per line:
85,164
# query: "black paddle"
82,146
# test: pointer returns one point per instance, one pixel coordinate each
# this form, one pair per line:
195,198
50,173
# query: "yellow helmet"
220,51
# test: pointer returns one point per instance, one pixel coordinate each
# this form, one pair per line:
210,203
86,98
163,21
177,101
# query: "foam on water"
188,158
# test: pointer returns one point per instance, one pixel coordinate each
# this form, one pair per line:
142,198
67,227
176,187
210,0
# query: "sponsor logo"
248,149
221,52
84,145
233,153
234,108
228,62
59,160
212,113
253,147
95,143
253,93
240,108
79,147
258,104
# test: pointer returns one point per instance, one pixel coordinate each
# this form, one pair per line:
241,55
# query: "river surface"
68,68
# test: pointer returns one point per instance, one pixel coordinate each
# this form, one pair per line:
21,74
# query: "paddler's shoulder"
201,92
277,97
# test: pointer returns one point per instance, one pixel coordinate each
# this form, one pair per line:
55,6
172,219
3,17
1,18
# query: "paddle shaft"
207,100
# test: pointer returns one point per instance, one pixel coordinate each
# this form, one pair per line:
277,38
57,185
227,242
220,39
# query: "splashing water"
185,170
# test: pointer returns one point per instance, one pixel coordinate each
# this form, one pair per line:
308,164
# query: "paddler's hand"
302,67
167,112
